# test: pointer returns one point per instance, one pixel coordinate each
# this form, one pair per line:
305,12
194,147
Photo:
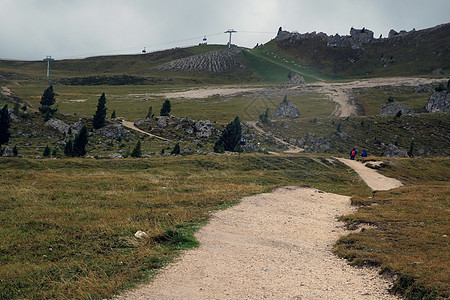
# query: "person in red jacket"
353,153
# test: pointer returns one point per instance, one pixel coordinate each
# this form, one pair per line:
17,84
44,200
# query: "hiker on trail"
353,153
364,153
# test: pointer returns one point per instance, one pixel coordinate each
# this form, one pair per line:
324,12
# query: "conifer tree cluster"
5,123
100,114
78,146
176,149
47,100
166,108
264,118
137,152
230,137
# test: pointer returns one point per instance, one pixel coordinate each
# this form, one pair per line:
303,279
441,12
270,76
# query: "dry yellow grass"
67,226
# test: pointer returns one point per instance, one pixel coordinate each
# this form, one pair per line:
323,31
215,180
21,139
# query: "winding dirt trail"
373,179
291,148
339,92
131,125
270,246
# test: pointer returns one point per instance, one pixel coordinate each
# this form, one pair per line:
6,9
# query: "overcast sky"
33,29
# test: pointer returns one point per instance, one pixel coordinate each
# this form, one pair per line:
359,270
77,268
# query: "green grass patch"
371,100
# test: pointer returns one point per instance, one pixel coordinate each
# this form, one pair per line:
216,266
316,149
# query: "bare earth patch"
270,246
207,92
6,91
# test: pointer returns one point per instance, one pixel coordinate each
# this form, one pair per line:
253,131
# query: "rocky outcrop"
419,89
361,35
286,109
392,108
113,131
58,125
204,129
437,72
295,80
115,156
8,152
394,151
438,102
355,40
13,117
162,121
214,61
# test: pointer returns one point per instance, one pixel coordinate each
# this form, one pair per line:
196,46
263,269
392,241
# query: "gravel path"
131,125
373,179
270,246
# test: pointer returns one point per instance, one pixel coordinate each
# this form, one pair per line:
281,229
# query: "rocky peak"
361,35
286,109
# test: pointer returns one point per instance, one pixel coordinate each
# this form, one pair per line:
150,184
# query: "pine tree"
15,151
176,150
264,118
80,142
16,108
150,113
411,148
113,115
137,152
166,108
100,115
46,152
230,137
5,123
68,148
47,100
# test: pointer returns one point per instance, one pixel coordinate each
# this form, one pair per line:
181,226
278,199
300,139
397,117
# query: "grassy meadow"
67,226
133,101
371,100
410,227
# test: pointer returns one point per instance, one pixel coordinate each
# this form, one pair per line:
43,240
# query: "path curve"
271,246
339,92
131,125
373,179
292,149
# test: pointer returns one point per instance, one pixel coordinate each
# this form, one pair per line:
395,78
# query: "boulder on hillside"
286,109
438,72
113,131
76,127
395,151
115,156
392,108
419,89
438,102
162,121
204,129
295,80
8,152
13,117
58,125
